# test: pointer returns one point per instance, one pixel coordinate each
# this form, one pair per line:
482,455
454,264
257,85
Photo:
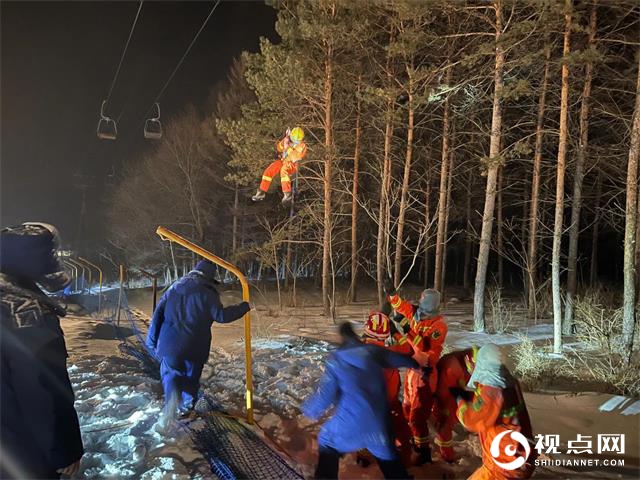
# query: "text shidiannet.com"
581,462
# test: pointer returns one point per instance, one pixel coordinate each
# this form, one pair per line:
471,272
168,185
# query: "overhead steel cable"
175,70
124,52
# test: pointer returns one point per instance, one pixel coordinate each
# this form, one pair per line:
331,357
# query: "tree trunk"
492,174
446,223
576,202
405,182
593,271
427,222
352,295
559,210
385,183
499,232
631,217
234,237
328,164
442,200
467,238
532,256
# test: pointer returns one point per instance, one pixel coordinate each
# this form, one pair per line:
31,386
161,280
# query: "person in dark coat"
180,334
354,384
39,428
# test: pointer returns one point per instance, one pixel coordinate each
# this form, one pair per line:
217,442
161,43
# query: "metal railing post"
154,286
100,277
120,295
75,269
174,237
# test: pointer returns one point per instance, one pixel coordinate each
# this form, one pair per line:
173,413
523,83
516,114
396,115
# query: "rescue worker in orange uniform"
497,412
377,331
454,372
422,329
291,150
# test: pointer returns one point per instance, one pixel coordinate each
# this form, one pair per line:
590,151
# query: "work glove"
393,329
461,393
387,287
404,329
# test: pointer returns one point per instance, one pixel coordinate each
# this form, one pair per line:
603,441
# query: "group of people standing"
473,387
40,433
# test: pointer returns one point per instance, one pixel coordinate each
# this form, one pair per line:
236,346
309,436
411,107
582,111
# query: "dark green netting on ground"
234,451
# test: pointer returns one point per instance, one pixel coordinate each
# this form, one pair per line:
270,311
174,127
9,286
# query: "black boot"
421,455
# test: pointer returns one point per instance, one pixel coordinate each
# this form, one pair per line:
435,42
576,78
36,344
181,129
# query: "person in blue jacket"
39,428
180,335
354,384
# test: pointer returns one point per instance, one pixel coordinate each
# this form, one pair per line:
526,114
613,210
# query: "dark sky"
57,63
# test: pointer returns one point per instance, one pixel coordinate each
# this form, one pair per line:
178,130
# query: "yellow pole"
99,280
85,264
75,269
120,295
174,237
84,280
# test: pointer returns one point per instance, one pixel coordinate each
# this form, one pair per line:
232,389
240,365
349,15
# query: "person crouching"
498,414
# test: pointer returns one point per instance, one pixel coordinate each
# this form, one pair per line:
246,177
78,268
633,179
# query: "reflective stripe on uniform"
266,179
442,443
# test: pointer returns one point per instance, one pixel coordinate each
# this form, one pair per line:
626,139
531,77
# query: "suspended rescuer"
354,383
39,429
377,332
180,335
497,412
422,329
291,150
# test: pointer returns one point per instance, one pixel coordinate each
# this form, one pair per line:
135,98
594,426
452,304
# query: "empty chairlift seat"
107,129
153,127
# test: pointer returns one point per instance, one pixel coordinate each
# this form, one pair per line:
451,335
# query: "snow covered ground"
118,409
119,406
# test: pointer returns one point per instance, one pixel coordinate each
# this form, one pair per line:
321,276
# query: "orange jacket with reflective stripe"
290,152
426,334
491,412
391,375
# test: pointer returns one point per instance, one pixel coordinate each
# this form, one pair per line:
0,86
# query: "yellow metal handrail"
82,266
100,279
174,237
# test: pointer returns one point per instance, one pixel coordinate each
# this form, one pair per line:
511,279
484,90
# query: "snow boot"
447,454
363,458
287,197
421,455
260,195
187,415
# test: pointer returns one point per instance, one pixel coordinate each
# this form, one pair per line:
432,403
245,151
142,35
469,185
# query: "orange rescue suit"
290,154
491,412
426,335
454,371
392,379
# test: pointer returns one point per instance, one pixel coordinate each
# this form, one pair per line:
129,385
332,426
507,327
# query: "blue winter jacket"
181,324
354,383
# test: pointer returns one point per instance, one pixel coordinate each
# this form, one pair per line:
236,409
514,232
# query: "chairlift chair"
107,129
153,127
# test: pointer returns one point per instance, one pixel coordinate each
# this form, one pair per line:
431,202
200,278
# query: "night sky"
58,61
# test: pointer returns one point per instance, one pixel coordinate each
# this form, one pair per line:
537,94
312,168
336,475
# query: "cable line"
124,52
175,70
